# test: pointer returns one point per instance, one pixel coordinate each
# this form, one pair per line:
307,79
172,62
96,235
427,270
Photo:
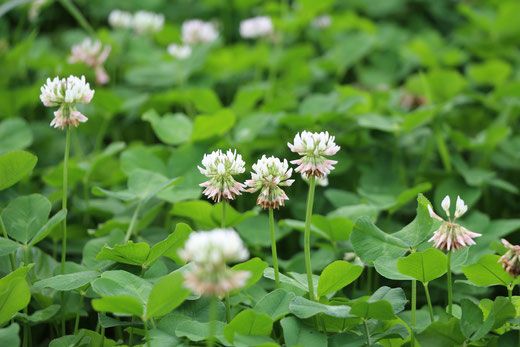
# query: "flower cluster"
143,22
322,22
94,55
209,253
220,168
256,27
66,93
179,51
511,259
451,236
196,31
313,147
269,174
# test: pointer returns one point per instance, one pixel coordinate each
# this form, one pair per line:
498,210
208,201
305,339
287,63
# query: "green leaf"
41,315
197,331
205,100
487,272
47,228
336,276
424,266
196,210
395,296
8,246
370,242
120,304
166,295
15,134
248,322
442,334
119,282
381,310
304,308
296,333
387,267
172,129
275,304
255,267
472,321
421,228
205,127
233,217
25,215
141,157
14,166
130,253
10,335
67,282
146,184
170,246
14,293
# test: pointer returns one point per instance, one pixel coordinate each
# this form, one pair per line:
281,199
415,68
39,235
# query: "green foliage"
423,266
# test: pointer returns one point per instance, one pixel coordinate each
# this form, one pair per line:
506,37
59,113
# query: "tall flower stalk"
269,175
451,236
313,147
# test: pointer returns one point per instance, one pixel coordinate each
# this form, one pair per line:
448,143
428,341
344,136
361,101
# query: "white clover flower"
268,176
179,51
221,168
195,31
313,147
322,181
256,27
120,19
322,22
94,55
147,22
511,259
207,283
451,236
66,93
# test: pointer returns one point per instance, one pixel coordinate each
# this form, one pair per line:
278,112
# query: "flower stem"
367,333
26,329
212,320
510,288
273,249
307,236
64,189
223,225
4,233
76,324
102,343
450,289
133,221
430,308
74,12
223,221
147,337
414,308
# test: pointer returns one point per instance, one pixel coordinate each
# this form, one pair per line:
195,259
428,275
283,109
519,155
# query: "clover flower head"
94,55
450,235
66,93
179,51
313,147
145,22
322,22
220,168
256,27
120,19
511,259
206,283
322,181
269,175
196,31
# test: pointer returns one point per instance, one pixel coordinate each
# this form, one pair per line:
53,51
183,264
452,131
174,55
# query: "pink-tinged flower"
66,93
209,252
94,55
145,22
196,31
269,175
313,147
220,168
451,236
511,259
256,27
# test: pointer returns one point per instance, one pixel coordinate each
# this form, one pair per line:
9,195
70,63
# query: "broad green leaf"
502,309
275,304
170,246
336,276
120,304
129,253
381,310
248,322
487,272
197,331
421,228
196,210
14,293
8,246
25,215
95,338
255,267
395,296
15,134
67,282
233,217
387,267
47,228
141,157
71,340
304,308
205,127
424,266
472,321
146,184
370,242
442,334
10,335
172,129
296,333
123,195
269,273
166,295
41,315
205,100
119,282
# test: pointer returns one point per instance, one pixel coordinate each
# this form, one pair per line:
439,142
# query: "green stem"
131,334
430,308
414,309
228,308
450,289
367,333
4,233
510,288
442,147
146,333
133,221
76,324
64,200
212,320
102,343
73,10
101,133
307,236
223,221
273,249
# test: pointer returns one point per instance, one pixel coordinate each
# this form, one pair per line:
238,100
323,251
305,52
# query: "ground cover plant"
259,173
